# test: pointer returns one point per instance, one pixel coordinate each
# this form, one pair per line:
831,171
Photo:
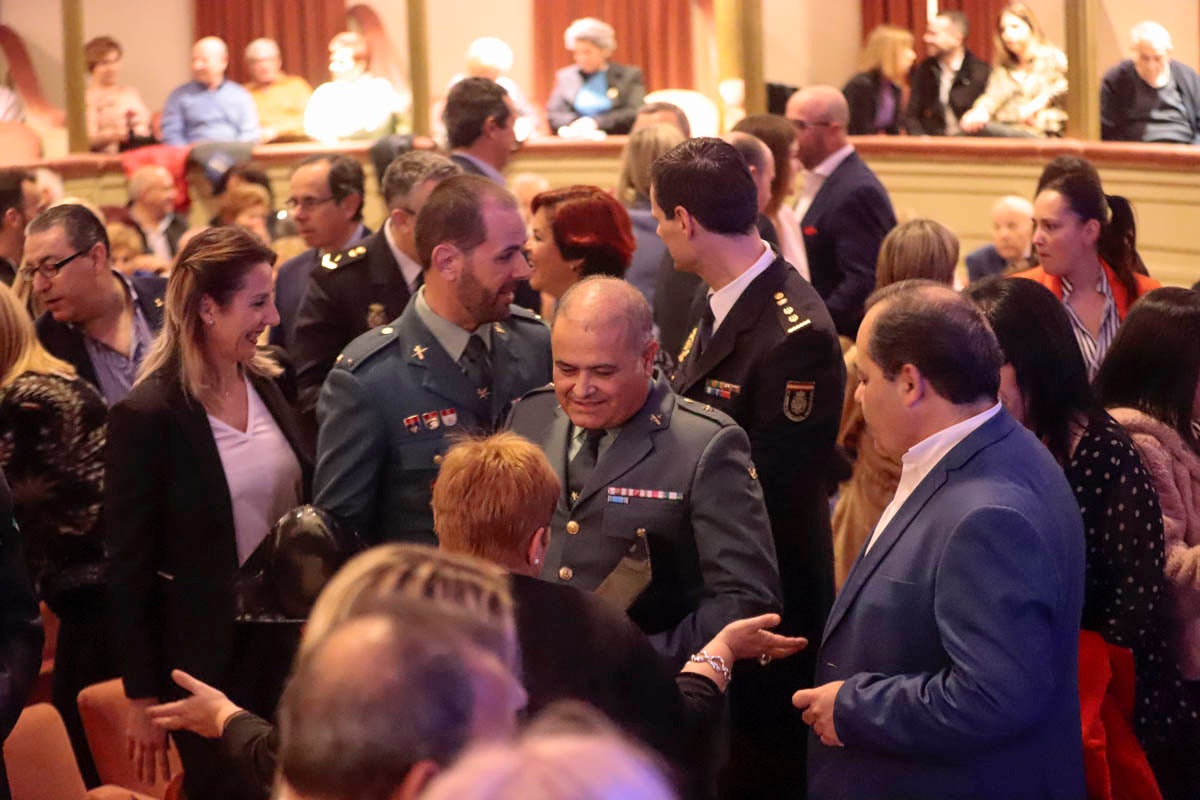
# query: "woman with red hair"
576,232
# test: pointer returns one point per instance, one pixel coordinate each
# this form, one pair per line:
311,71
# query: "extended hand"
204,713
817,704
749,638
147,744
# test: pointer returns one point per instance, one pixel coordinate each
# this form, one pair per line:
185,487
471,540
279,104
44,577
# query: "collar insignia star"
483,392
656,419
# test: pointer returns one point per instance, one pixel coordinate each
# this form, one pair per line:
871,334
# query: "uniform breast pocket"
658,522
412,473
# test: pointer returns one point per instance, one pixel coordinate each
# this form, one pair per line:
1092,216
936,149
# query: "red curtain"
656,36
302,29
910,14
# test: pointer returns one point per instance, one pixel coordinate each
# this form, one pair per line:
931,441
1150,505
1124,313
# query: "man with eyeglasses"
369,284
326,201
97,319
844,211
18,205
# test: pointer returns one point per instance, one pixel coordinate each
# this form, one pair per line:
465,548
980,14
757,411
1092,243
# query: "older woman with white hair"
595,94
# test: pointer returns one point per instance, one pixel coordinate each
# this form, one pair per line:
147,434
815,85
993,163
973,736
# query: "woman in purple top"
875,95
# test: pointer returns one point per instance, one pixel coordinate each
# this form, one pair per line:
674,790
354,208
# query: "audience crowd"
710,482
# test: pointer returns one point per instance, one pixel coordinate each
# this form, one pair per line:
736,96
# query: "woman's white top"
261,470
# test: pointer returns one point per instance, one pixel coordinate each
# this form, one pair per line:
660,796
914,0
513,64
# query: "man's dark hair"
352,731
453,213
470,102
11,195
942,334
709,178
412,169
662,106
81,226
958,21
346,177
754,151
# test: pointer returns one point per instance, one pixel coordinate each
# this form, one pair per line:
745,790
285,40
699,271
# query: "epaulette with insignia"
332,261
788,318
368,344
704,410
525,313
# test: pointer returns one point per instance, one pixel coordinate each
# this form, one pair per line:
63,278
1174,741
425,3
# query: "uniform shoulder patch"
523,313
788,314
534,397
704,411
365,346
332,261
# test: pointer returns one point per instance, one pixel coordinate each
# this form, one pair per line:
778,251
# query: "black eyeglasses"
802,126
306,203
48,271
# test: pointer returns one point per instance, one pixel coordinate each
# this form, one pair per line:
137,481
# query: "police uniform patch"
798,400
376,316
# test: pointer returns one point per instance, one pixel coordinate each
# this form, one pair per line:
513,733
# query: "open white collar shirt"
920,460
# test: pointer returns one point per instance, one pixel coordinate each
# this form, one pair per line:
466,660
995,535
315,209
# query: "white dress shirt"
721,302
410,269
920,460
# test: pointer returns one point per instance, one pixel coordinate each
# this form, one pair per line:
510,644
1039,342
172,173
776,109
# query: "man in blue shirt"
209,108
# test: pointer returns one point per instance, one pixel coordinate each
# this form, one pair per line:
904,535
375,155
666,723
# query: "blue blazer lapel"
994,429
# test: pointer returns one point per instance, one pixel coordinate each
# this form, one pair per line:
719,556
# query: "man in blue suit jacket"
948,666
844,210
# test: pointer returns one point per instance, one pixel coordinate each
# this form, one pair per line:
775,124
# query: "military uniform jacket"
775,366
387,411
349,293
676,482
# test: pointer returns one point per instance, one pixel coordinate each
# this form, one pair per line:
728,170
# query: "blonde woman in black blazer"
202,456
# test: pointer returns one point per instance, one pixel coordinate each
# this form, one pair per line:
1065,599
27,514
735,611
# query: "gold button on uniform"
439,458
566,573
641,532
572,527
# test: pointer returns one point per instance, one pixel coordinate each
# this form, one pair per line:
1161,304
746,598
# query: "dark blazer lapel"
829,188
743,316
985,435
635,440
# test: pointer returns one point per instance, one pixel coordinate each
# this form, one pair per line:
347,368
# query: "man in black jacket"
765,352
947,83
370,284
98,320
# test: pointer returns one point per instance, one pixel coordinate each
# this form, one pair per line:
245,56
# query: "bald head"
210,57
820,115
759,159
1012,227
603,345
602,301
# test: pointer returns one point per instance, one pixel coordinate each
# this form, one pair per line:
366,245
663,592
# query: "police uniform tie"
477,365
581,466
